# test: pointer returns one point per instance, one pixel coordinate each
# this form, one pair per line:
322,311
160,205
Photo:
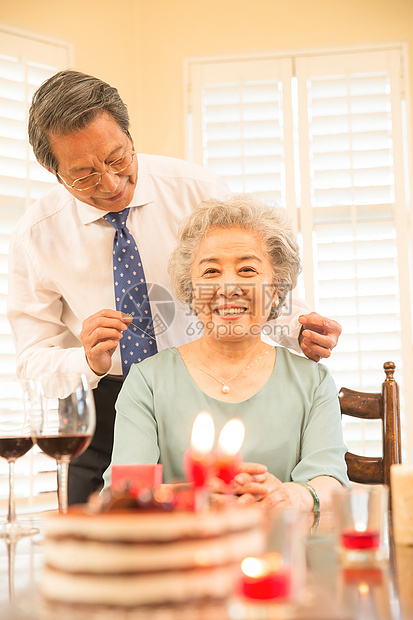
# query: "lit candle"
360,537
228,457
265,578
198,461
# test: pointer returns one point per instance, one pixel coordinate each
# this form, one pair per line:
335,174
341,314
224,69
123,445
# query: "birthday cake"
132,557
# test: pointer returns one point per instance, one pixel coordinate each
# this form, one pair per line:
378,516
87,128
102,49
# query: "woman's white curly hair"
241,211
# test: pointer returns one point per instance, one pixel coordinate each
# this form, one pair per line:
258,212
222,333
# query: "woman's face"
232,280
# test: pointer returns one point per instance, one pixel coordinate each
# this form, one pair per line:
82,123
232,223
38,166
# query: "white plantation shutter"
354,215
25,62
242,125
332,154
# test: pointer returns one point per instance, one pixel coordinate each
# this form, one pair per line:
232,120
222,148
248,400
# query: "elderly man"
71,293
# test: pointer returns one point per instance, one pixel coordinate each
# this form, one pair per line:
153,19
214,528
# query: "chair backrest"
382,406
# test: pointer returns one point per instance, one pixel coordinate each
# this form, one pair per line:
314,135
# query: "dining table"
330,590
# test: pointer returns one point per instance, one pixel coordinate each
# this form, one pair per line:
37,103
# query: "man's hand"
318,335
100,336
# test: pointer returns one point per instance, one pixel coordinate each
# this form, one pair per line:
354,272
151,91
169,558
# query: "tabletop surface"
330,593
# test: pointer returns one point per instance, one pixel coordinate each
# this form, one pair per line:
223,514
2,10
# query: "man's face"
92,149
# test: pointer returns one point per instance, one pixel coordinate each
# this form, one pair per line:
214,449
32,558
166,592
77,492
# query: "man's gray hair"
241,211
66,103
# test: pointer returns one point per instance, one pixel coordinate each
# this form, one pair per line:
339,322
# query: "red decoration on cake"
137,477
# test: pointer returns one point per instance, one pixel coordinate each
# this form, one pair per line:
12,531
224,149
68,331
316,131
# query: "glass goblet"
63,421
15,441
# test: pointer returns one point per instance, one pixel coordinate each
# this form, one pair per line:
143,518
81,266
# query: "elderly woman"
234,264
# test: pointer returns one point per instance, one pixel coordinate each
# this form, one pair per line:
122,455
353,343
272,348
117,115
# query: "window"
324,136
26,60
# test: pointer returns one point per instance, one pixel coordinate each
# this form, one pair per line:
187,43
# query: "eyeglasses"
93,179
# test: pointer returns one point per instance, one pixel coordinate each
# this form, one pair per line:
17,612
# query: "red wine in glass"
15,441
63,446
63,421
12,448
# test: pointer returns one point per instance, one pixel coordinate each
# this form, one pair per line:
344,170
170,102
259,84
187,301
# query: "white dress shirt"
60,267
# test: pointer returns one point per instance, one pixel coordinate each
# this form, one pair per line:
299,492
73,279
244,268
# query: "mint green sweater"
293,423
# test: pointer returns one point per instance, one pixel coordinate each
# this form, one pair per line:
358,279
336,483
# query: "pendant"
225,388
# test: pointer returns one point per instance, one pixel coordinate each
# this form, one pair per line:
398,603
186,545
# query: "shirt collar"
143,195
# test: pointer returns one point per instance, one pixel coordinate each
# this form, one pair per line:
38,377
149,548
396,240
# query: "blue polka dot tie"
131,294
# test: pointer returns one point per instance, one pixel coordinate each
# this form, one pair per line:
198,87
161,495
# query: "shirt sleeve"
42,340
136,433
322,445
285,329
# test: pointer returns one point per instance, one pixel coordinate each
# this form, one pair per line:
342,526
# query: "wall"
140,46
170,30
102,32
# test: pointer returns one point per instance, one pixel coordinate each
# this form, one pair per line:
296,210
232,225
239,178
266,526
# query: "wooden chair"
382,406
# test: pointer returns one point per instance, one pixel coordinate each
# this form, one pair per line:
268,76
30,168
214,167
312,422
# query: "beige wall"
140,45
170,30
102,32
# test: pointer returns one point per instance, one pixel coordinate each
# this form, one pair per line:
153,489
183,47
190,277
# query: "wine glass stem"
62,471
11,517
11,553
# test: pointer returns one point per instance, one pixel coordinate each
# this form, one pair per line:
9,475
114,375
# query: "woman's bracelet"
314,495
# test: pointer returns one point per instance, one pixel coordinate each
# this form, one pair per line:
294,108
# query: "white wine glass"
63,421
15,441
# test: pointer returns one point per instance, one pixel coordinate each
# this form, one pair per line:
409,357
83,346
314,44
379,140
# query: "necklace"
225,386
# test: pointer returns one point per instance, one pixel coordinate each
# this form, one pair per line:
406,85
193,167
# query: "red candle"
198,460
227,466
259,581
364,539
228,456
198,467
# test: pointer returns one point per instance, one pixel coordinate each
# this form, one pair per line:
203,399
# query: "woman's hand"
253,484
249,473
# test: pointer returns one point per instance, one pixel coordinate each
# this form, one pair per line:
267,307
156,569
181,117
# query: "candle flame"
363,588
232,437
253,567
360,527
203,433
